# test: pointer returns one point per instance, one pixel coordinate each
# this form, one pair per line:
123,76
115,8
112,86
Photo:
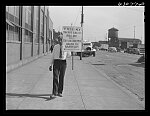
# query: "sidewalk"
30,86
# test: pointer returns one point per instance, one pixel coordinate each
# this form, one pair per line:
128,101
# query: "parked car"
142,51
112,49
136,51
122,51
87,52
129,50
132,51
118,49
141,59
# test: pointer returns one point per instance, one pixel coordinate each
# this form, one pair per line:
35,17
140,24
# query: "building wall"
41,48
13,43
29,37
35,50
129,42
27,49
13,52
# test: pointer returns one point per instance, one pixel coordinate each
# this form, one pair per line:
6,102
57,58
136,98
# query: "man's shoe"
53,95
59,94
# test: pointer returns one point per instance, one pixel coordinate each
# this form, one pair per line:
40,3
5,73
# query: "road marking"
123,65
107,55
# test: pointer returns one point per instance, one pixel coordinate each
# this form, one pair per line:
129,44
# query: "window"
26,35
42,25
37,30
45,25
16,33
11,33
37,23
11,10
26,15
16,8
28,24
41,22
36,39
12,15
50,34
42,39
7,26
30,36
7,12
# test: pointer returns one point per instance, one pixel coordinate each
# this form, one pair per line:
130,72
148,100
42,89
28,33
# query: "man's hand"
50,68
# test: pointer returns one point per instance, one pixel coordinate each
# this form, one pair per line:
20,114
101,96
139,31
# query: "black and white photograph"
80,57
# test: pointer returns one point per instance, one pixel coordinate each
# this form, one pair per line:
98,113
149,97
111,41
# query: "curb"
23,62
141,103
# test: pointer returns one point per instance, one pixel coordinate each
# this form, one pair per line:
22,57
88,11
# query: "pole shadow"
142,65
31,95
98,64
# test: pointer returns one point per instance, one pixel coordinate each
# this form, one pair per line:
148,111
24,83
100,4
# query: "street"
123,69
86,87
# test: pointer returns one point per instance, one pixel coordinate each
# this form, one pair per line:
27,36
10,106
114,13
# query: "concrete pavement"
30,86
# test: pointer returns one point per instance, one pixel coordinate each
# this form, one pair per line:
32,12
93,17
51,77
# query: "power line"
77,16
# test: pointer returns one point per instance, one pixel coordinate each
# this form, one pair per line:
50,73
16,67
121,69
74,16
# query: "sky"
129,20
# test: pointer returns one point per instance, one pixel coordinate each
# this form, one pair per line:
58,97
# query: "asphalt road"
122,69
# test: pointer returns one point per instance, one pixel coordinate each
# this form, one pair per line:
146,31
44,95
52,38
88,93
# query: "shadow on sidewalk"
31,95
98,64
138,64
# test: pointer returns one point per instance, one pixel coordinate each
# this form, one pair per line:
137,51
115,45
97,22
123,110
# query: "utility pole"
106,37
82,33
72,51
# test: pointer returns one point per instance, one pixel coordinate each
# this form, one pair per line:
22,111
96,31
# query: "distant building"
95,44
129,42
113,37
115,41
103,42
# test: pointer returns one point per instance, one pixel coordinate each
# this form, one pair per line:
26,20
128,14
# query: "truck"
141,48
87,49
104,47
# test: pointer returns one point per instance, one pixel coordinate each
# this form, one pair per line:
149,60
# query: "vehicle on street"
112,49
87,49
104,47
129,50
133,51
119,49
122,51
142,51
136,51
141,59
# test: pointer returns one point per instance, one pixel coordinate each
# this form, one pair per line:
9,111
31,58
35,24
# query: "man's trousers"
59,69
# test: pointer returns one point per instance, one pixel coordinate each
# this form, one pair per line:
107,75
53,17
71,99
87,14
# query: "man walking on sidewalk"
58,60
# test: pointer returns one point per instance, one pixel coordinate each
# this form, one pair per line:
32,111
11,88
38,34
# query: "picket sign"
72,39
